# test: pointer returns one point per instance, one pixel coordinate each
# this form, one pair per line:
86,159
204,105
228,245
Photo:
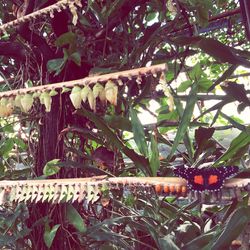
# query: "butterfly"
209,178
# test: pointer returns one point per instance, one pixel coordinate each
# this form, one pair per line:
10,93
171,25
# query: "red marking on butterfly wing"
198,179
213,179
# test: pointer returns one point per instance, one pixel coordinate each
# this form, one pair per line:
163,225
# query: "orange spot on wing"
212,179
198,179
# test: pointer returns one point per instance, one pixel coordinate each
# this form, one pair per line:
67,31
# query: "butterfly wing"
194,177
229,171
214,179
181,171
210,179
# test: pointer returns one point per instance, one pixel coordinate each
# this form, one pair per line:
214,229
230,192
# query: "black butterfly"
208,178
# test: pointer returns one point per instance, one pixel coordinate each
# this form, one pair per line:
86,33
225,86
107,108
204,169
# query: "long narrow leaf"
233,122
49,234
139,135
75,219
185,119
236,145
236,224
154,156
200,242
140,161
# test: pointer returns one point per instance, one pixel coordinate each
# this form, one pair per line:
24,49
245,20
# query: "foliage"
203,52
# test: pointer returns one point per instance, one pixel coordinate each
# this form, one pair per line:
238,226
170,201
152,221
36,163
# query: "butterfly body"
209,178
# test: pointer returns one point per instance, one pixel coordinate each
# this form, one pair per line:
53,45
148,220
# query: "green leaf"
118,122
76,58
56,65
195,73
84,21
66,38
236,145
234,122
199,242
184,86
6,147
49,234
151,16
167,243
170,116
236,224
139,135
204,84
51,167
223,77
185,118
154,156
75,219
20,143
140,161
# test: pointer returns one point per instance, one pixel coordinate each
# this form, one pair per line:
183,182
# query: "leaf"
75,219
236,224
6,147
185,41
184,86
49,234
154,156
140,161
118,122
214,48
236,91
204,84
138,132
223,77
236,145
199,242
66,38
220,51
56,65
185,119
151,16
76,58
51,167
233,122
195,73
167,243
